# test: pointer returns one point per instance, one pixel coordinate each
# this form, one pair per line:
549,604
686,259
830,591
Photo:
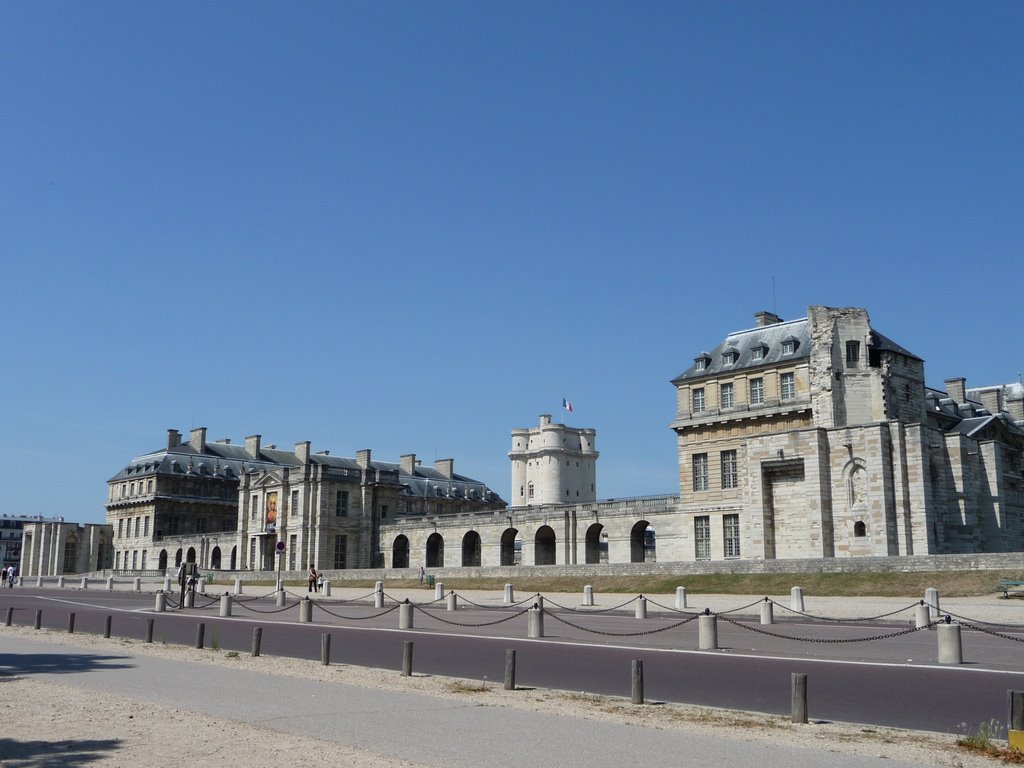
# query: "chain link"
827,640
463,624
385,612
269,611
596,610
994,633
966,619
842,621
558,618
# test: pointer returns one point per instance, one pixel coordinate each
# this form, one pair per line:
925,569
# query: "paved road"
421,729
892,681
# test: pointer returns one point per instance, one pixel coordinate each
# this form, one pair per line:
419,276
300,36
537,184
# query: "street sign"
280,547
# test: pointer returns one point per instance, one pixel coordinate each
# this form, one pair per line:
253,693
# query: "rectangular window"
757,353
143,559
293,541
727,396
756,391
383,511
138,526
700,471
145,526
340,549
149,486
295,503
698,400
135,559
787,386
252,554
117,561
852,354
729,477
702,537
341,504
254,507
731,533
120,528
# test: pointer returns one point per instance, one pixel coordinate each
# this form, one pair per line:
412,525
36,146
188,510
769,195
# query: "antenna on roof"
775,311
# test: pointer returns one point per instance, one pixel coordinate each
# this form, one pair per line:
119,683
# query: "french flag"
567,405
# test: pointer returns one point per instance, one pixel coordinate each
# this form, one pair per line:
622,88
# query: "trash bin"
430,581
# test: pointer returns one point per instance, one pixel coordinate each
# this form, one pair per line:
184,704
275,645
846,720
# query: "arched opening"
177,558
191,556
162,560
544,546
593,548
215,558
70,554
234,556
508,546
400,553
435,551
860,529
471,550
641,543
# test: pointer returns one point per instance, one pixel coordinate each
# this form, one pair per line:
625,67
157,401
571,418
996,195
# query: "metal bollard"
931,598
39,618
641,608
327,588
149,630
8,617
439,590
767,612
407,658
71,623
405,615
200,634
238,586
106,626
510,669
798,706
280,599
161,602
535,622
137,584
452,602
796,599
707,631
922,617
637,688
305,611
85,582
225,605
950,648
325,649
110,583
588,595
509,594
257,640
681,599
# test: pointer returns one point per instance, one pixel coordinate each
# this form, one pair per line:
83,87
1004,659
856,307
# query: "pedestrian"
319,582
312,578
422,574
3,576
10,576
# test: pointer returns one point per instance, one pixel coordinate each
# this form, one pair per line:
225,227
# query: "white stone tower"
553,464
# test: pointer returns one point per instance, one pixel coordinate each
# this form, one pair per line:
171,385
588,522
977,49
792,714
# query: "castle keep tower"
553,464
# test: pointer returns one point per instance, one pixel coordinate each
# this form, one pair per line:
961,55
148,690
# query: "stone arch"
215,558
471,550
190,557
400,552
544,546
860,529
177,558
855,479
592,547
435,550
641,543
508,546
70,561
234,558
162,560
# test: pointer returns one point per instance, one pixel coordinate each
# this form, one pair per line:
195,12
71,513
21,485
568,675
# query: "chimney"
173,438
363,458
252,446
957,390
992,398
764,318
302,452
1015,407
197,439
545,419
225,441
446,467
409,463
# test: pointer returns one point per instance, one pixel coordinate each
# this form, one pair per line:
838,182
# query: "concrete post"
167,583
921,615
439,590
238,586
279,597
327,588
950,649
931,599
137,584
509,595
707,632
305,611
799,698
405,615
202,585
225,605
796,599
767,612
378,599
641,608
39,581
189,599
637,687
60,582
453,602
378,587
279,586
85,582
535,622
588,595
681,599
110,583
161,602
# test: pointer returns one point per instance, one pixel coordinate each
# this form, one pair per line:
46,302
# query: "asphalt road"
856,672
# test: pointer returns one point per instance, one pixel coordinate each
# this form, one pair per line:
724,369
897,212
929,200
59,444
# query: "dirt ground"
49,724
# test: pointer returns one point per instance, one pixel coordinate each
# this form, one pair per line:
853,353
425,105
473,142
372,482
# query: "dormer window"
758,352
789,345
730,356
701,362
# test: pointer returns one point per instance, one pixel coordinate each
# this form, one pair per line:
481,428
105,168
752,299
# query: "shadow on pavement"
55,663
37,754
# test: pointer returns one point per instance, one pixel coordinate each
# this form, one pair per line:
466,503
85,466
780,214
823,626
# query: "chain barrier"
213,601
841,621
385,612
828,640
271,610
741,608
558,618
671,609
531,598
240,601
464,624
965,619
430,602
170,602
993,633
596,610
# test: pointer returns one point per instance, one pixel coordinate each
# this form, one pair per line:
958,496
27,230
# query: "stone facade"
56,548
553,464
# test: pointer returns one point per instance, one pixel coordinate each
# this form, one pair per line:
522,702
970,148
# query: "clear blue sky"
412,227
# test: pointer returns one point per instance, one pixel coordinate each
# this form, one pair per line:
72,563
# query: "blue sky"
413,227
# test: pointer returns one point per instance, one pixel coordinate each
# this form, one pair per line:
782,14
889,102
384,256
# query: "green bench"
1006,586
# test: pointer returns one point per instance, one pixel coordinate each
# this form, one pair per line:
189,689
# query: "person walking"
312,578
